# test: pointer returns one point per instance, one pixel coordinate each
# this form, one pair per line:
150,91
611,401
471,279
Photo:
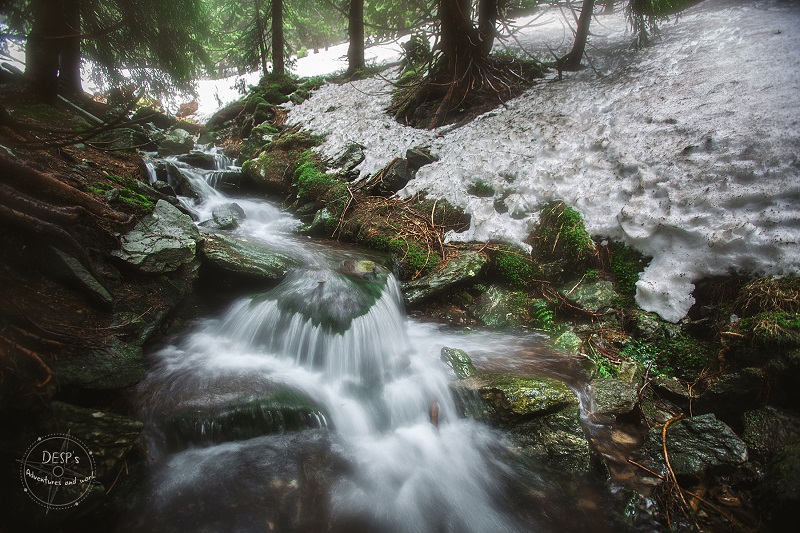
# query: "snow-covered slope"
687,150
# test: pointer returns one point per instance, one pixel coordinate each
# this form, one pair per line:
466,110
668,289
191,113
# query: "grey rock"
243,258
228,216
567,341
164,188
733,394
74,271
555,439
459,361
593,296
418,158
611,397
499,307
393,179
351,156
514,397
768,429
277,411
199,160
696,446
161,242
466,266
115,365
177,142
324,222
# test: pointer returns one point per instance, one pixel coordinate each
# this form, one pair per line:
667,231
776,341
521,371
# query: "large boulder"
349,158
499,307
596,296
392,178
513,397
555,439
199,160
268,172
228,216
696,447
278,411
115,365
466,266
177,142
242,258
162,242
767,430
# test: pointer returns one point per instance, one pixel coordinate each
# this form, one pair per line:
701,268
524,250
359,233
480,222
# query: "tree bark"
278,65
262,46
70,68
44,47
459,38
572,61
355,30
488,13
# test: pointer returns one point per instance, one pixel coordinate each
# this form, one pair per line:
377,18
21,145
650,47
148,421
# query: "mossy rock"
513,397
267,172
281,410
555,439
243,259
466,266
459,361
514,266
594,296
561,237
499,307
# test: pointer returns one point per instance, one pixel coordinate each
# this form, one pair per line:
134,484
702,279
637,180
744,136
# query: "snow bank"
687,150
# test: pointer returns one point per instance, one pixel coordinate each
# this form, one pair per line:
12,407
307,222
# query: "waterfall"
314,393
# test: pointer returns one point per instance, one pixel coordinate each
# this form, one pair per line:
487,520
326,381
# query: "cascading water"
308,407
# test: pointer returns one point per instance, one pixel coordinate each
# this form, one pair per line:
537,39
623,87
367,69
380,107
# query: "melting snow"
686,150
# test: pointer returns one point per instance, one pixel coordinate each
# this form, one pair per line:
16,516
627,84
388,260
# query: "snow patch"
686,150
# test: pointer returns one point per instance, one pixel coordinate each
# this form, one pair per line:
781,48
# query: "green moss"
776,328
561,235
681,355
127,196
514,266
412,259
626,265
480,188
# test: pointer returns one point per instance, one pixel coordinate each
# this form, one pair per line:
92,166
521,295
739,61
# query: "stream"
308,407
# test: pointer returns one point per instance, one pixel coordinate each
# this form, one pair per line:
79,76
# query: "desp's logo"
57,471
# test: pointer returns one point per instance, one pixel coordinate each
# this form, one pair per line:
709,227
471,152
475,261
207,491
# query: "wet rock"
672,389
163,241
268,172
226,180
69,268
392,179
177,142
514,397
164,188
499,307
631,371
648,326
418,158
153,116
730,396
696,446
611,397
459,361
324,222
555,439
779,493
169,172
245,259
332,300
199,160
108,436
466,266
279,411
767,430
567,341
115,365
228,216
351,156
597,296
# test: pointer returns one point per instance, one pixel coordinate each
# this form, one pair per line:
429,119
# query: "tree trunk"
262,45
278,66
488,13
572,61
69,73
355,30
44,47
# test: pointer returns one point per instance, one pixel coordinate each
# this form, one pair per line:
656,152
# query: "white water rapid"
351,445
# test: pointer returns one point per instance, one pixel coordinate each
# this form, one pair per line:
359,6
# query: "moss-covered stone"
466,266
244,259
611,397
499,307
555,439
513,397
562,238
459,361
596,297
514,266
